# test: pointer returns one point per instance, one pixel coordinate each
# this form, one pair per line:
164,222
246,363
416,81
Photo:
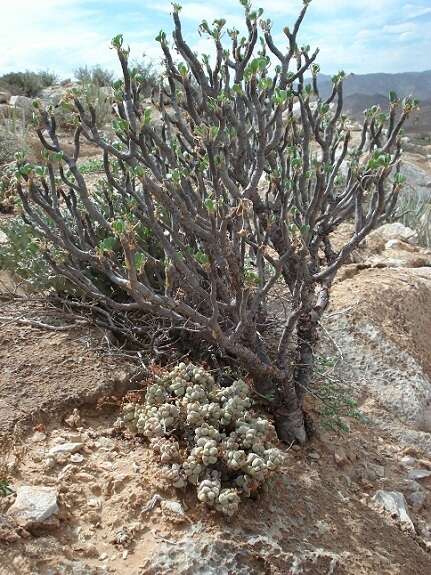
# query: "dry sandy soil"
43,373
315,518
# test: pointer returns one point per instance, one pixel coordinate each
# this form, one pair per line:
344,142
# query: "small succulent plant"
205,435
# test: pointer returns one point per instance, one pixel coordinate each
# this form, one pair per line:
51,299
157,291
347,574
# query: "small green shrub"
5,488
14,134
30,256
206,436
96,75
22,255
149,78
27,83
335,401
91,166
414,211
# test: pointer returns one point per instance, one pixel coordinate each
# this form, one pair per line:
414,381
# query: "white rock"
38,436
395,231
66,472
395,503
49,463
64,449
33,505
392,244
95,502
408,461
418,474
77,458
416,500
21,102
105,443
173,506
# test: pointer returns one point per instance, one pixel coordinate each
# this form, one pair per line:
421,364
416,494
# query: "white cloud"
62,35
53,33
191,10
401,28
416,11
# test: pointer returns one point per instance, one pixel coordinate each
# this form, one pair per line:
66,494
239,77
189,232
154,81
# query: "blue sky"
358,36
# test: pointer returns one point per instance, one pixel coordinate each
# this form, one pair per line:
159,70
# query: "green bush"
27,83
14,132
334,398
414,211
96,75
91,166
5,488
22,255
32,258
149,78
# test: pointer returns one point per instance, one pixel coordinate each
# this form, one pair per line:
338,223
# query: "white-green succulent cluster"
206,435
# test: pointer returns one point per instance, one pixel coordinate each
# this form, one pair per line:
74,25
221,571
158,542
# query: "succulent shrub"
235,188
205,435
98,97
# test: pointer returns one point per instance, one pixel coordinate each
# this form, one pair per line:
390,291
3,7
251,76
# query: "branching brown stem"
204,212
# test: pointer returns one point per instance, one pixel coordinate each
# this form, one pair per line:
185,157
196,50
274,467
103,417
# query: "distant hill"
417,84
361,91
355,104
419,124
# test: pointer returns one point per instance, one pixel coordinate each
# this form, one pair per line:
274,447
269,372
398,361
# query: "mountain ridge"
417,84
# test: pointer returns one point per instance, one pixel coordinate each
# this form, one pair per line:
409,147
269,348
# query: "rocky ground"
87,500
46,372
99,507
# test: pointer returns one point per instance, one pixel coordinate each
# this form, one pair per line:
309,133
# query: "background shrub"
414,211
27,83
94,75
22,256
149,78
